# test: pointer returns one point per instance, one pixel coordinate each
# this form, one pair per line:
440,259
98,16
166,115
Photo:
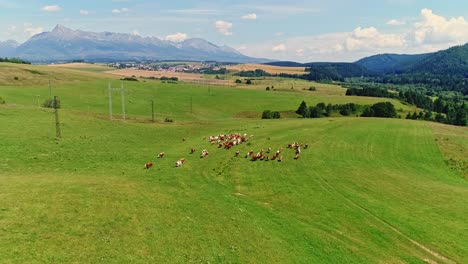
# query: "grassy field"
367,190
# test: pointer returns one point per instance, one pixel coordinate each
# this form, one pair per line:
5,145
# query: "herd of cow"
228,141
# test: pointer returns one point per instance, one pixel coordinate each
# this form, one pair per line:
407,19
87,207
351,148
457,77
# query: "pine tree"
303,110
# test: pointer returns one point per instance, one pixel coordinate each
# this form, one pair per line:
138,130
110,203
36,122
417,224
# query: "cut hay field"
187,77
83,66
268,68
367,190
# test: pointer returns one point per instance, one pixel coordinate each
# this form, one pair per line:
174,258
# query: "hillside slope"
366,190
453,61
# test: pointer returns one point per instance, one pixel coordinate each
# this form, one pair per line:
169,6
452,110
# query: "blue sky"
300,30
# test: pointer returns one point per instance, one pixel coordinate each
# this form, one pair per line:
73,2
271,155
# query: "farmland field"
268,68
367,190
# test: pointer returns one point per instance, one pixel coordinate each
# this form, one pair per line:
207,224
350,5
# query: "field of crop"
268,68
83,67
182,76
367,190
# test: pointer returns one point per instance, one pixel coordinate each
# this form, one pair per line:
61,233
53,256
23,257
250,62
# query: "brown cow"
148,165
180,162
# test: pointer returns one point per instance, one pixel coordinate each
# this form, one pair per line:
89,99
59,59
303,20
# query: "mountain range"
64,44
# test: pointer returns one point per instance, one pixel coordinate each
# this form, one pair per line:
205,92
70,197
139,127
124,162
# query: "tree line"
382,109
448,109
14,60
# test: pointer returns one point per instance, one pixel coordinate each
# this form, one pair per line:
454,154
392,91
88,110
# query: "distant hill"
7,48
64,44
337,71
453,61
285,64
390,63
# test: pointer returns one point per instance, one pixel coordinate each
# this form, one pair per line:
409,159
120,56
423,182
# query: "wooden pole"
58,133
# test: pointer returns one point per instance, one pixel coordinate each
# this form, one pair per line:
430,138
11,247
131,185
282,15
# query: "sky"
296,30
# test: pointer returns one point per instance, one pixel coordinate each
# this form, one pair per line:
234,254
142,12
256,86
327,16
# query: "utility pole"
110,101
58,133
152,111
123,100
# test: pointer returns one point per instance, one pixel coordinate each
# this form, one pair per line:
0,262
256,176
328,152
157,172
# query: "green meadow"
366,190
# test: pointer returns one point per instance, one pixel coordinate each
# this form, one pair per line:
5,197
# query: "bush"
238,81
16,78
2,101
248,81
164,78
131,79
312,88
268,88
168,120
50,103
267,114
382,109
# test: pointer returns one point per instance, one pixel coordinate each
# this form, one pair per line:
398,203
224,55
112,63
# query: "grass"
364,191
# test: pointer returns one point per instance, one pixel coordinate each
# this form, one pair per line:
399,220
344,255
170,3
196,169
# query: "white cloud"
372,40
31,30
84,12
51,8
135,32
435,29
224,27
251,16
395,22
177,37
11,30
121,10
300,52
278,48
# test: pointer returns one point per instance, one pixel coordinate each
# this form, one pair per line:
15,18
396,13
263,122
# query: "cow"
148,165
306,146
298,150
269,150
180,162
192,151
274,156
280,159
249,154
237,153
204,153
267,158
161,155
297,156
